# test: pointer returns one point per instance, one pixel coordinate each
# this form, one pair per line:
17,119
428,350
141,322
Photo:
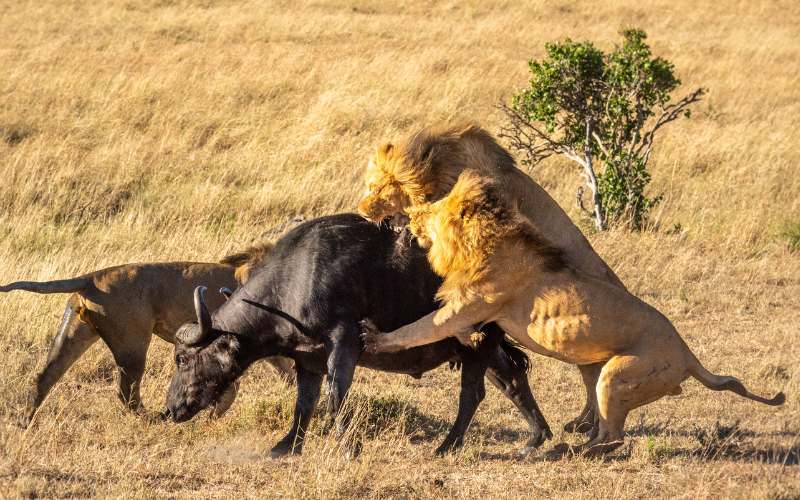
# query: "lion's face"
384,196
383,199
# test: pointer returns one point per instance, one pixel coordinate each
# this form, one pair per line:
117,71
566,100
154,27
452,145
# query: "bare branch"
530,139
600,144
579,201
592,178
670,113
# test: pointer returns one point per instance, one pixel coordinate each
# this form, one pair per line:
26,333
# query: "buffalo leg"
512,379
344,353
74,337
309,385
473,389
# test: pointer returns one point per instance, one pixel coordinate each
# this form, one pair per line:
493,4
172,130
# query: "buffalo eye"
180,359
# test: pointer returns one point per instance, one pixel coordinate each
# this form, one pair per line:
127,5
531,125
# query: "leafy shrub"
595,107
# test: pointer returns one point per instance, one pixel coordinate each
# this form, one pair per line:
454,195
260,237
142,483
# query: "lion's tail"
57,286
726,383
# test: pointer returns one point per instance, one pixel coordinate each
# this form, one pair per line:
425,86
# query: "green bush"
601,110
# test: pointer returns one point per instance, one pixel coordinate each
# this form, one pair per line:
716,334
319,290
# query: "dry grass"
157,130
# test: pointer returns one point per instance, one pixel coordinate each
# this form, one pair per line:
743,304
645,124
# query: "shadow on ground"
718,443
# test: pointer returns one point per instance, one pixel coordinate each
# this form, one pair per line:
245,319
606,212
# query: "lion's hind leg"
585,421
74,337
628,381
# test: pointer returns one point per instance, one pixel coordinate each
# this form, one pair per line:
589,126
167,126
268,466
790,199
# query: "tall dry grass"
159,130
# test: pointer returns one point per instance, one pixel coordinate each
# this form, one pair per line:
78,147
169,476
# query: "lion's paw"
370,336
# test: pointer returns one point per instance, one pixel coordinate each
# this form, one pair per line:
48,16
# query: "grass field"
166,130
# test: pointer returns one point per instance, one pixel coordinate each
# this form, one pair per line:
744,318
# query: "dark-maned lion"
124,306
497,267
425,167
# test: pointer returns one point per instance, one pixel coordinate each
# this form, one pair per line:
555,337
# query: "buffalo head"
206,364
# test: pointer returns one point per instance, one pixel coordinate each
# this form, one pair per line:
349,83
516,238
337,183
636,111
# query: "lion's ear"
384,151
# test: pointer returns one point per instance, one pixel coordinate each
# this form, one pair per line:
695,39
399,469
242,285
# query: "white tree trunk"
591,181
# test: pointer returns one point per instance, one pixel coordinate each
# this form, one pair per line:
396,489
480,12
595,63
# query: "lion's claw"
369,336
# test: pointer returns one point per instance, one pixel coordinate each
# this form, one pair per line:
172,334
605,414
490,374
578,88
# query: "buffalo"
306,302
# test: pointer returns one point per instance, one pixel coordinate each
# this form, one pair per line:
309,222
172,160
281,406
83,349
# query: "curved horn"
189,334
200,308
227,292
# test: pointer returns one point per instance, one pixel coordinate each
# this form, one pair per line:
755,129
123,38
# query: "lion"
124,306
497,267
425,167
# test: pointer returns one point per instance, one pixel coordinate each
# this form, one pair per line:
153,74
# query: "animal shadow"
722,442
376,415
729,442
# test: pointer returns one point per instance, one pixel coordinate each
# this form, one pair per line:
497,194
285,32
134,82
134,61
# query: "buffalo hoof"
536,440
281,451
284,448
449,446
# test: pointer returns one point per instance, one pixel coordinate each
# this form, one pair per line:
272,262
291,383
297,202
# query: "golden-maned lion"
425,167
497,267
125,305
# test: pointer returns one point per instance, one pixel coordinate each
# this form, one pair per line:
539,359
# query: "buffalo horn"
200,308
192,334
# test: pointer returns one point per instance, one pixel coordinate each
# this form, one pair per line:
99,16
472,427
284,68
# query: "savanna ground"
167,130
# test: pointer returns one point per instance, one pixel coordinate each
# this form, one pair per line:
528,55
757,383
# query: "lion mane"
472,223
425,166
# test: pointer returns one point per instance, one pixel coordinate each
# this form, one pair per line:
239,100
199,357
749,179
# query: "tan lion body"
497,268
425,167
125,305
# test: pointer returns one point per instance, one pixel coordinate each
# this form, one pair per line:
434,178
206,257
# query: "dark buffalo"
305,302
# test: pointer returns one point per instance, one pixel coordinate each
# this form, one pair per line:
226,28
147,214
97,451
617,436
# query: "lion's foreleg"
438,325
